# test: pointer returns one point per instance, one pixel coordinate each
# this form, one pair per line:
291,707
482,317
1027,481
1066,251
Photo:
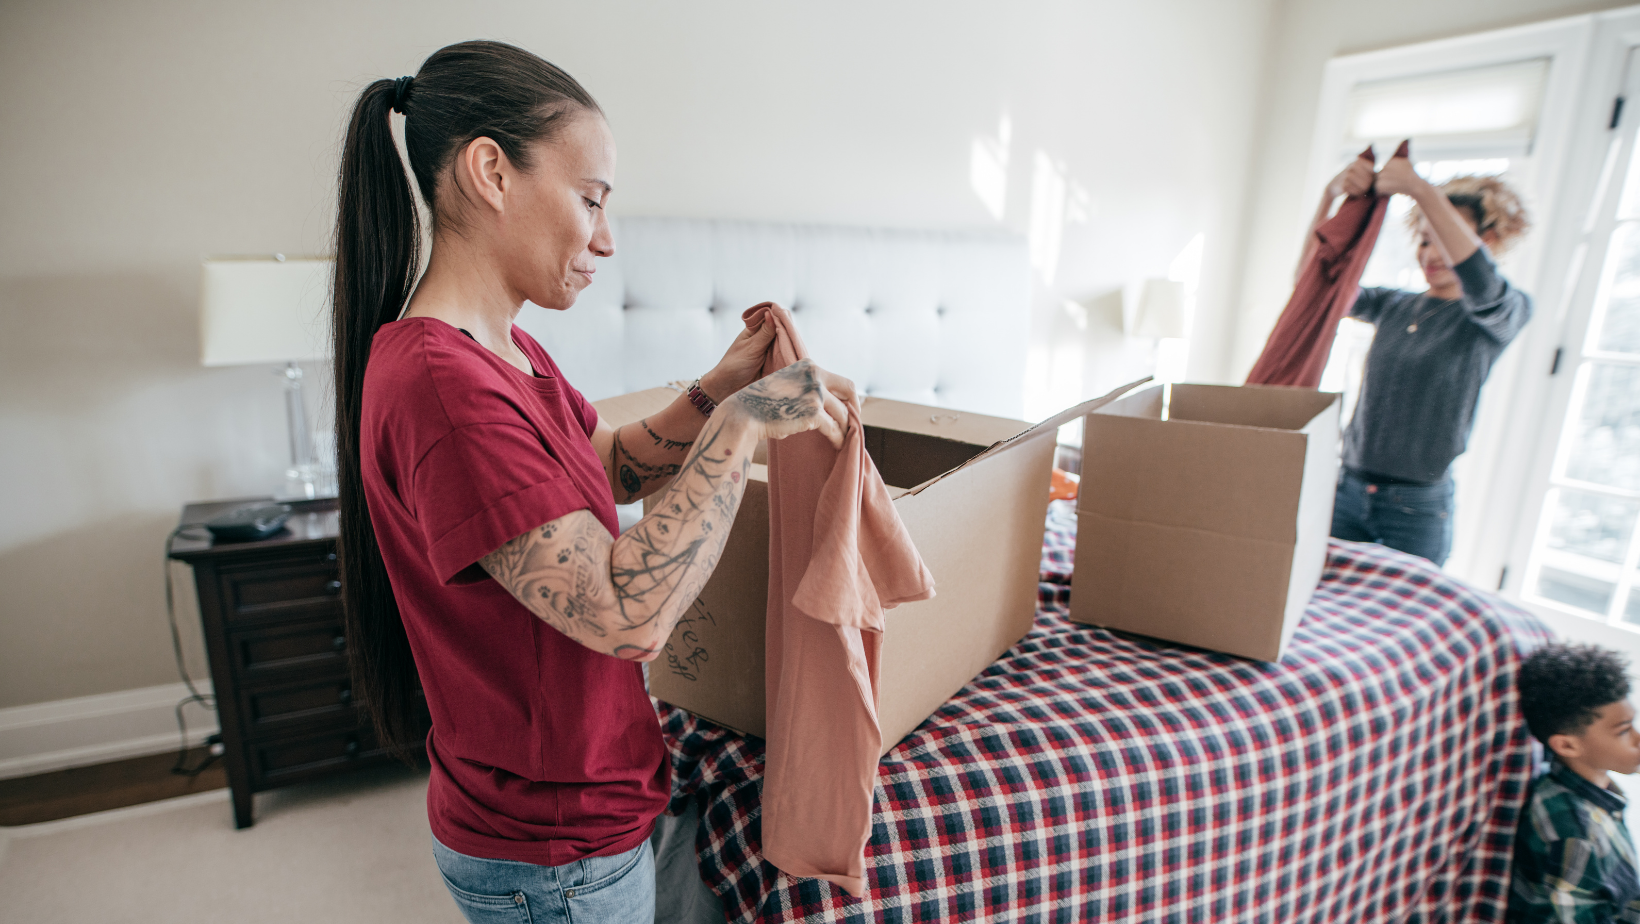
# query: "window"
1584,556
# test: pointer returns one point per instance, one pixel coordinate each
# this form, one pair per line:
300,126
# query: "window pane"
1619,318
1592,525
1606,446
1631,613
1629,205
1576,590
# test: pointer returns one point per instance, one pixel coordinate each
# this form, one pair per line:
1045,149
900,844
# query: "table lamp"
1160,312
256,310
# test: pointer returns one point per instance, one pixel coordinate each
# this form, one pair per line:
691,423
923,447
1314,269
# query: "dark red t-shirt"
542,749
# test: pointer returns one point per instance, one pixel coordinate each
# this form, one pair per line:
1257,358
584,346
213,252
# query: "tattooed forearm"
654,568
634,473
623,596
666,444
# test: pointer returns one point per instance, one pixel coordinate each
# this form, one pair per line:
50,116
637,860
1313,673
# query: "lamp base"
306,482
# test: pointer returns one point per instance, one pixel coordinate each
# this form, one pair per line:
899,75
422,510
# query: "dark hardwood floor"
82,790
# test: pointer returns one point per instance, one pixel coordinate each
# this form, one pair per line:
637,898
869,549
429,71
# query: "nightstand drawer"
287,760
280,590
271,709
308,649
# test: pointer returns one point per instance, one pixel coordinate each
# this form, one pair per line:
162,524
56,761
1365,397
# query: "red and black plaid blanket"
1374,774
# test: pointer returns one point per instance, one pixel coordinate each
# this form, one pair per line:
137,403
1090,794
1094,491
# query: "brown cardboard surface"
1208,527
624,409
978,498
979,531
712,647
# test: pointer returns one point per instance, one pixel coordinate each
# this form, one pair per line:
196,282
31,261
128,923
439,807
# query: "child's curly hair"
1563,686
1494,205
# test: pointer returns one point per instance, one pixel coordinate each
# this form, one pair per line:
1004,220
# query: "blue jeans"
618,889
1414,518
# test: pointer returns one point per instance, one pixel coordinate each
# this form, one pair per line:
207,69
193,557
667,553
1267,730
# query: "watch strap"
699,399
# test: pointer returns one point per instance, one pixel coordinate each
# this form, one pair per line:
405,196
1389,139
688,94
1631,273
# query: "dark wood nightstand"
278,649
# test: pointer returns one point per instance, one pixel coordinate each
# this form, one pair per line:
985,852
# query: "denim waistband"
1376,478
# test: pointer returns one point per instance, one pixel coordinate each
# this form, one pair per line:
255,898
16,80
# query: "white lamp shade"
264,310
1161,310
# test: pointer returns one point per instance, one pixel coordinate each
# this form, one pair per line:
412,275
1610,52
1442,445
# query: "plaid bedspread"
1374,774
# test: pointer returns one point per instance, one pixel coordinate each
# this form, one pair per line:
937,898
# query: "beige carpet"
348,850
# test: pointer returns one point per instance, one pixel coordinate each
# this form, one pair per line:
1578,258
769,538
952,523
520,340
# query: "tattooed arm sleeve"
623,596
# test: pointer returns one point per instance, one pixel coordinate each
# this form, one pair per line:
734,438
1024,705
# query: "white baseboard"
86,730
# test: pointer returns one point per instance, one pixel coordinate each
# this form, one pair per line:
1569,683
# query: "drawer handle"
352,747
330,557
339,642
345,696
334,587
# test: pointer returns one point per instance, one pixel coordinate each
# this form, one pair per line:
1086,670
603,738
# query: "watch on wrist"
700,400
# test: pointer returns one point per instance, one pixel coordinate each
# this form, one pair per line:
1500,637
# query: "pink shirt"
838,556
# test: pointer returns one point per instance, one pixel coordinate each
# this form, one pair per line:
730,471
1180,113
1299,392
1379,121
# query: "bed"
1374,774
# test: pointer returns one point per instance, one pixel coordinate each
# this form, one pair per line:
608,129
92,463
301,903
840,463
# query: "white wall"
1306,34
136,138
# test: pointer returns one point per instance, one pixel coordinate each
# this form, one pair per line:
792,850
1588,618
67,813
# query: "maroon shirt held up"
542,750
1297,350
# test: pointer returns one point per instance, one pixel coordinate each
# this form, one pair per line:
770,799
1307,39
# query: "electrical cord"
206,700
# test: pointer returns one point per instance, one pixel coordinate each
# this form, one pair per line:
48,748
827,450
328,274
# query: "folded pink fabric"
838,556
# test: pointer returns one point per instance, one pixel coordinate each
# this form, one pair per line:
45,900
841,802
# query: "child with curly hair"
1574,860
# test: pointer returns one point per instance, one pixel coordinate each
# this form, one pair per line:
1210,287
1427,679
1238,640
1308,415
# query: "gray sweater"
1418,394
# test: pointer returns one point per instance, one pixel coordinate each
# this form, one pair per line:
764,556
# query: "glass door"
1584,554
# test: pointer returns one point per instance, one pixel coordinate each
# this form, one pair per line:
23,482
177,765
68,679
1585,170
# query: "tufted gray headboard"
933,318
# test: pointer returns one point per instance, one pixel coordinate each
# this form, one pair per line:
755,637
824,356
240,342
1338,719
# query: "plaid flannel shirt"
1574,861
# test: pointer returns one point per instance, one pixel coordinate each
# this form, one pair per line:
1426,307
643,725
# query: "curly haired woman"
1431,355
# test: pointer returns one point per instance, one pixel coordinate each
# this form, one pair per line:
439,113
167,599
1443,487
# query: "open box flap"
940,423
1051,425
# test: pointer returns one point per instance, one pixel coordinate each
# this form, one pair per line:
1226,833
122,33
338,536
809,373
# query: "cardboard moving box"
973,493
1204,512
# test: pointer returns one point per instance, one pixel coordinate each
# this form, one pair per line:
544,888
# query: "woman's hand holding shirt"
622,596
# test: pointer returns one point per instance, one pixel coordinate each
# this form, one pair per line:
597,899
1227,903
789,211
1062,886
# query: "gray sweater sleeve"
1370,302
1491,302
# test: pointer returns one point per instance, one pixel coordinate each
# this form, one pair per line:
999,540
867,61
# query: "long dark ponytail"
462,92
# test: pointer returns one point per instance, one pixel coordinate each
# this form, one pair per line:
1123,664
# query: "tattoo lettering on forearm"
664,443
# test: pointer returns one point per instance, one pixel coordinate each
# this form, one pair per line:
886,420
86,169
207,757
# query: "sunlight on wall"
988,168
1058,354
1056,201
1173,353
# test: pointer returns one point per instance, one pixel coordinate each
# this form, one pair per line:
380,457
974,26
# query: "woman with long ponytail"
480,559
